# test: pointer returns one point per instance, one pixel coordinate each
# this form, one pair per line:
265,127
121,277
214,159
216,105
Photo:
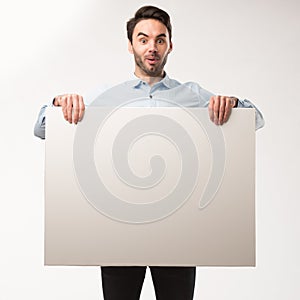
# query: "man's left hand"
219,108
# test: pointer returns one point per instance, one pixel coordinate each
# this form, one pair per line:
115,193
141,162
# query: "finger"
81,108
75,108
222,109
62,101
57,101
69,108
211,108
228,109
216,109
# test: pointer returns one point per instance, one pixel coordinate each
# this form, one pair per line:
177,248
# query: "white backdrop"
243,48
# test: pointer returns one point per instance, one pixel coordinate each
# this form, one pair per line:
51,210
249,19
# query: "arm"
220,107
72,107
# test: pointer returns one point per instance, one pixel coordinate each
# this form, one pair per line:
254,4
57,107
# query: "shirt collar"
136,82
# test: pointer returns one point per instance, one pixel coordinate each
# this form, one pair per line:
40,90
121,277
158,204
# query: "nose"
152,46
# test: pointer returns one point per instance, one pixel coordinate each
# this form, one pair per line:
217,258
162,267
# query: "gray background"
244,48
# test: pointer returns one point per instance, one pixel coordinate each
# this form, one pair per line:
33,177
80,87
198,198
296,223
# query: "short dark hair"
149,12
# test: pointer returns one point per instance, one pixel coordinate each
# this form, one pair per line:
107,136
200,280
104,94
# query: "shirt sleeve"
40,124
259,119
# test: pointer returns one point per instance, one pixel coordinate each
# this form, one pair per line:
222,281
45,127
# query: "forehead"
151,27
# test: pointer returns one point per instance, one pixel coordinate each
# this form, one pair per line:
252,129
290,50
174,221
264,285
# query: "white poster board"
150,186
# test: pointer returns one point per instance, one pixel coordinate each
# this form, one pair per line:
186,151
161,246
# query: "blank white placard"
213,224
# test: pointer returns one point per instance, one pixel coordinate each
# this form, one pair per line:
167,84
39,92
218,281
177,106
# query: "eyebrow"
144,34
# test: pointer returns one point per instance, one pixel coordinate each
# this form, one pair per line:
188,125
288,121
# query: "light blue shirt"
165,93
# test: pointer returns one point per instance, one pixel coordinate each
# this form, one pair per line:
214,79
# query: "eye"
160,41
143,41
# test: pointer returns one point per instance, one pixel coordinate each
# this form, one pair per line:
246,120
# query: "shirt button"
150,96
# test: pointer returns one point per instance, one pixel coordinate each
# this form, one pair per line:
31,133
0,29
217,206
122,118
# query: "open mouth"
152,60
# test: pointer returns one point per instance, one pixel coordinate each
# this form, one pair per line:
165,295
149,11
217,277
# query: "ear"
130,49
170,48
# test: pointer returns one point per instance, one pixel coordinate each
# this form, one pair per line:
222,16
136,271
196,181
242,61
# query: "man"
150,41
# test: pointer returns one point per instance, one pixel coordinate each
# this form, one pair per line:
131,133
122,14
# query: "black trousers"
170,283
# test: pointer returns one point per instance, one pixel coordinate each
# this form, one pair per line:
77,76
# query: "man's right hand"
72,107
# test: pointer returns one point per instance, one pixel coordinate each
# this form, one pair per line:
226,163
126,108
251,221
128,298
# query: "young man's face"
150,47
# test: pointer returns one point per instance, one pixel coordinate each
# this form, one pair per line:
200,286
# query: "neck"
151,80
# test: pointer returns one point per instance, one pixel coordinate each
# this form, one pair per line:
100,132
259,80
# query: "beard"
153,70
